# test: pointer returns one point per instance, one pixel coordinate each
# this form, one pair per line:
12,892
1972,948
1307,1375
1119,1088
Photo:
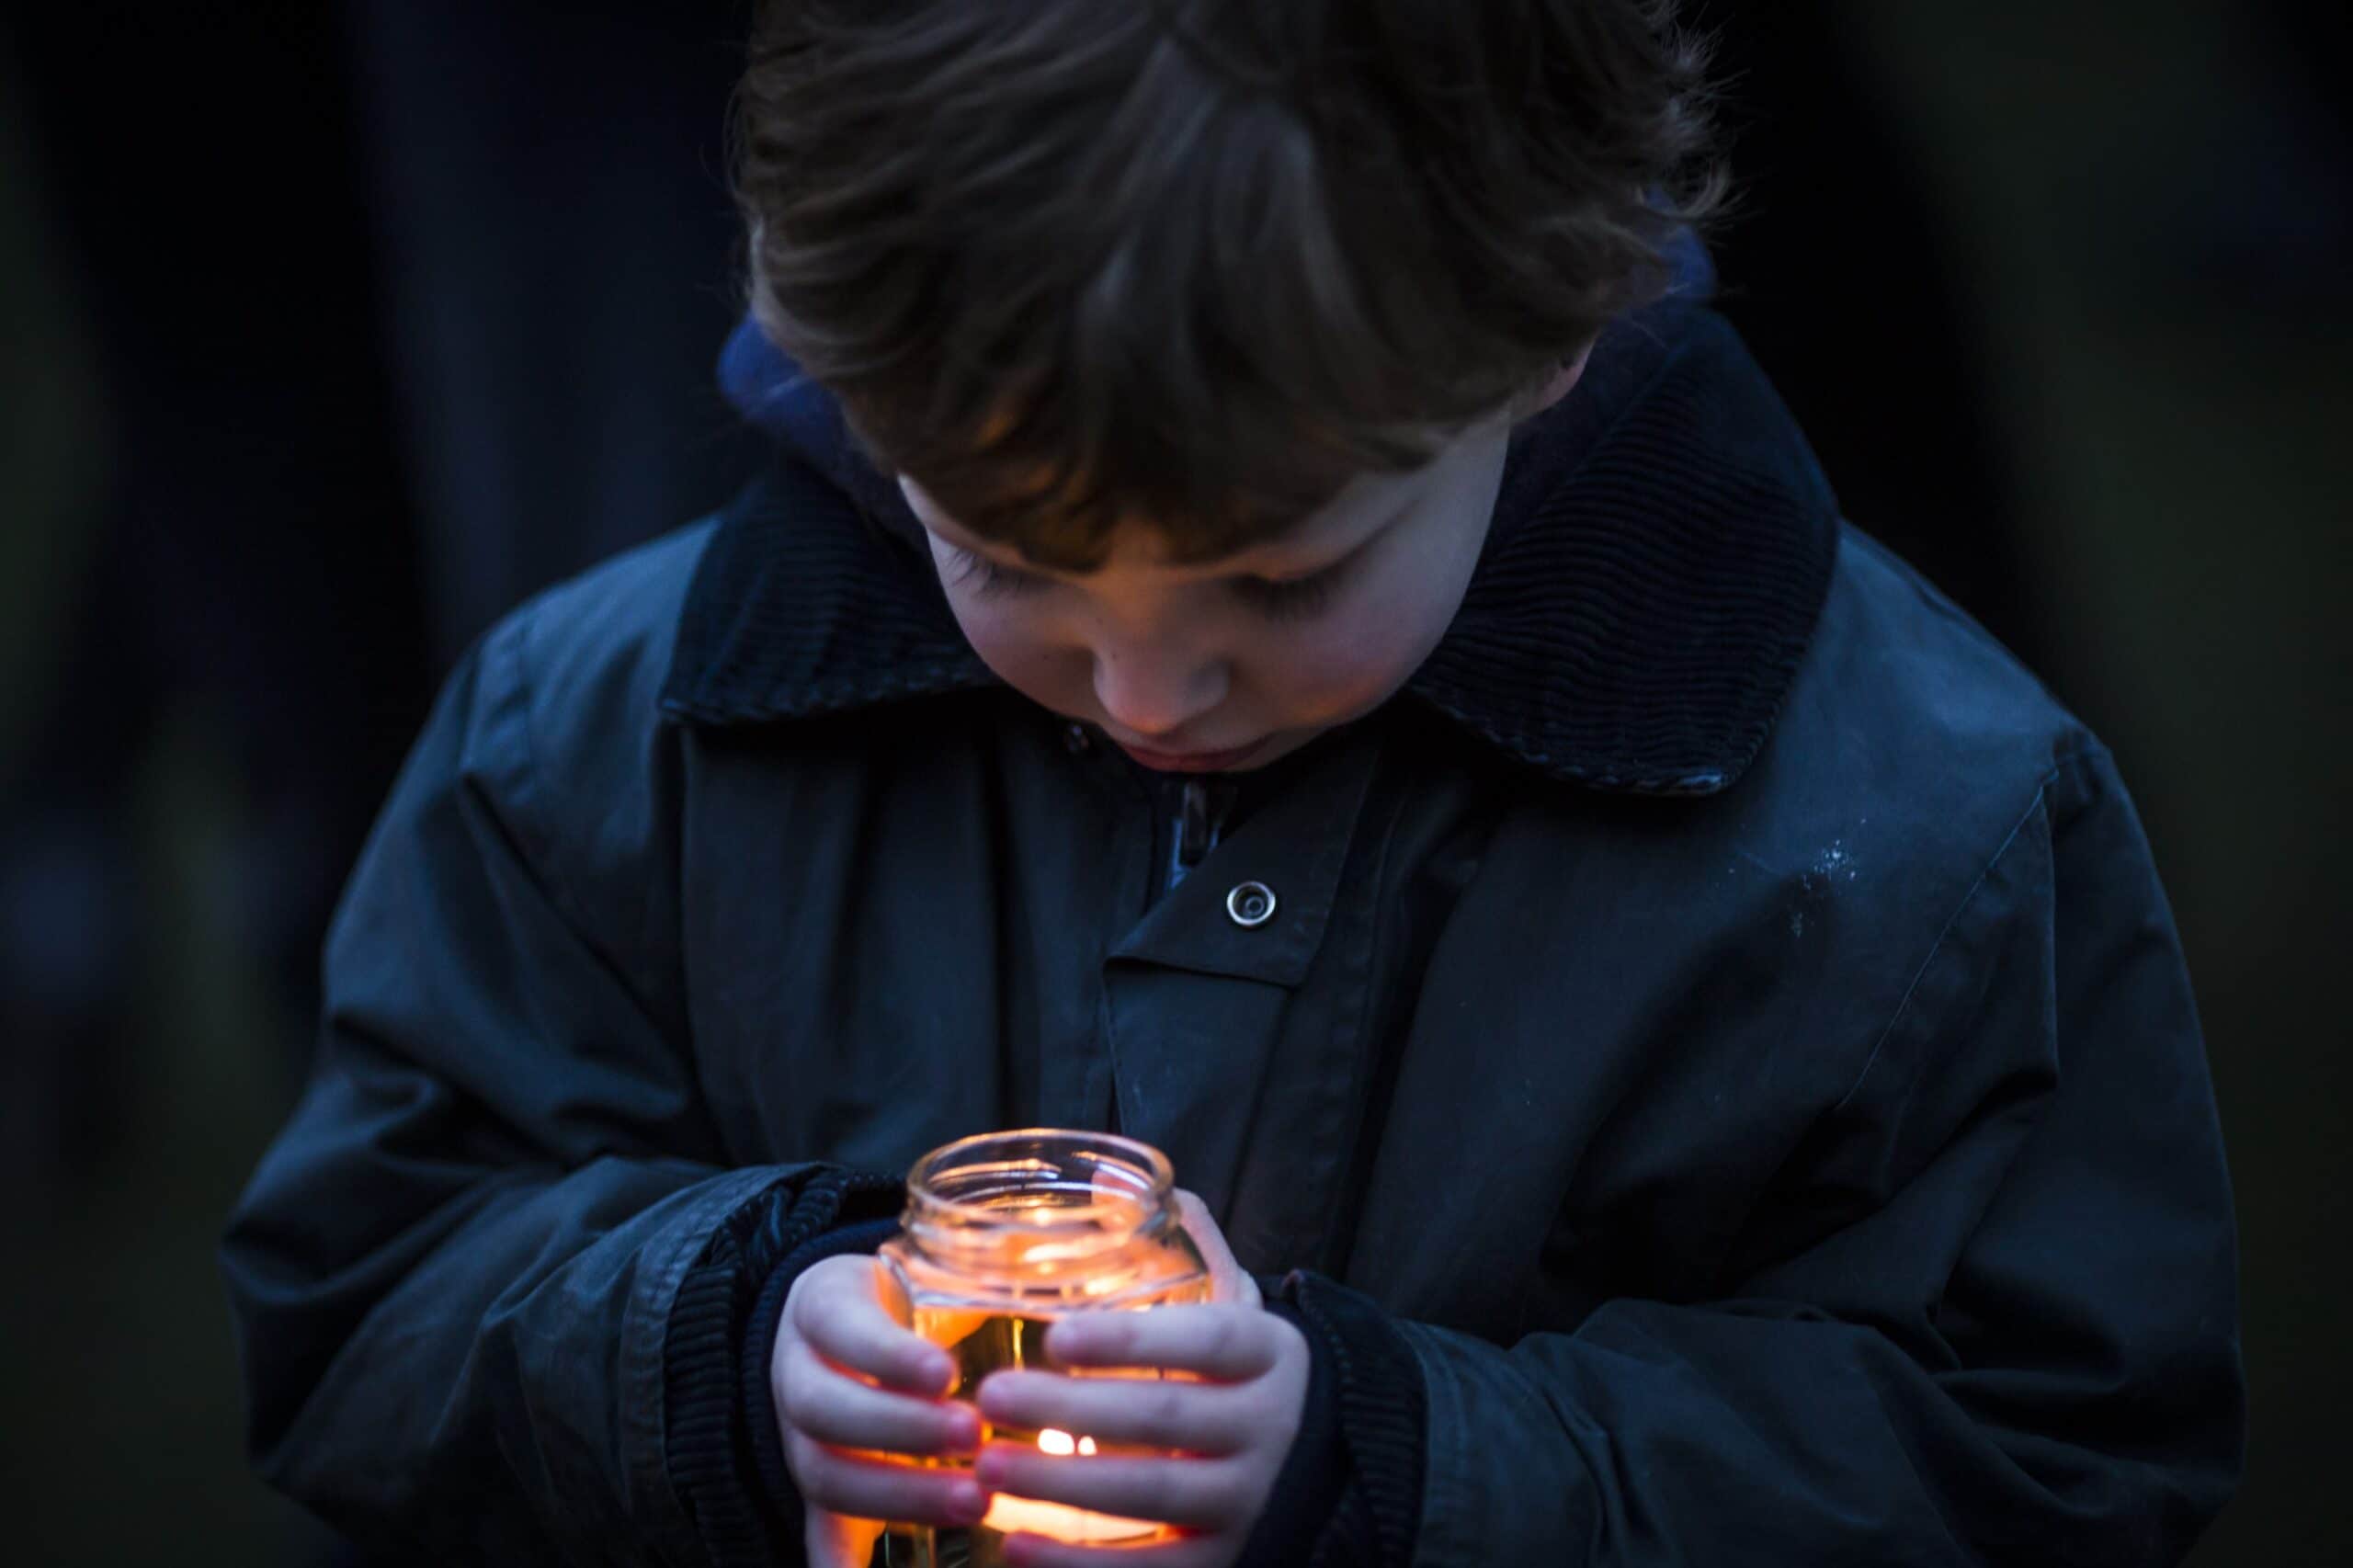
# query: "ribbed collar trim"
1660,549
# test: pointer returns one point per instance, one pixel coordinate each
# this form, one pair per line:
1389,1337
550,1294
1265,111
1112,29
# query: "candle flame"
1060,1521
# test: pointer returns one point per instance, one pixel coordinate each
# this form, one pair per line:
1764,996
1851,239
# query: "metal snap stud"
1077,740
1251,903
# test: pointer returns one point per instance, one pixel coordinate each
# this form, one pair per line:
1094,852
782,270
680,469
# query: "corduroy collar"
1661,545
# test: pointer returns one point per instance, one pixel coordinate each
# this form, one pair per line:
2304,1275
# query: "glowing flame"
1059,1520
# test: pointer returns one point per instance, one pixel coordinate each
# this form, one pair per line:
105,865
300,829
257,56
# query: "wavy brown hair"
1073,264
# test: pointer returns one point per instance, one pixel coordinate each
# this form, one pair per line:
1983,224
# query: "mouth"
1193,761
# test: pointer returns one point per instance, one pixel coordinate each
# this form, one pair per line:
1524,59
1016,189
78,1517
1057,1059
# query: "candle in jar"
1060,1521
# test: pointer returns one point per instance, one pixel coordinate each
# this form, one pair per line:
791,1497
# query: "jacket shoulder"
1903,695
1912,776
569,737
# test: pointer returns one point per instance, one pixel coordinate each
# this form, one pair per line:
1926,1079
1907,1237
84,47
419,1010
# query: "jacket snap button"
1077,740
1251,903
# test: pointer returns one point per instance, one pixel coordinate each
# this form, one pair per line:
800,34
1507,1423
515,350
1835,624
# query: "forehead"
1365,506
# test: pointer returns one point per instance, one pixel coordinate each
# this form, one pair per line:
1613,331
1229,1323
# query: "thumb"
1227,1280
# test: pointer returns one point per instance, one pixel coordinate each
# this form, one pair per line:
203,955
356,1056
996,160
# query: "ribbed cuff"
1315,1472
709,1434
755,1402
1379,1408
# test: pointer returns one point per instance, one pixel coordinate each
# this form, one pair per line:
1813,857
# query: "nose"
1153,692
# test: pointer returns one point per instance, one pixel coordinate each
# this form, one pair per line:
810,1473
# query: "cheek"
1339,667
1014,645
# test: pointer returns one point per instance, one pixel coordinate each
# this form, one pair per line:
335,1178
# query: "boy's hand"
846,1375
1230,1430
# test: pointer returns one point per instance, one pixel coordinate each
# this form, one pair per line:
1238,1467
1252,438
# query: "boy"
1321,653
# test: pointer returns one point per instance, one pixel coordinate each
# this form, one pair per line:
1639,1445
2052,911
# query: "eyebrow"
1224,568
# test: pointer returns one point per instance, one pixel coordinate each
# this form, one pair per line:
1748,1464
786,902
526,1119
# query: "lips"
1192,761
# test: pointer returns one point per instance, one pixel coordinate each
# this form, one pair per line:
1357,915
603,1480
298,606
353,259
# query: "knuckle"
1010,1396
824,1424
1112,1338
1223,1339
813,1283
1165,1413
1205,1492
806,1459
798,1380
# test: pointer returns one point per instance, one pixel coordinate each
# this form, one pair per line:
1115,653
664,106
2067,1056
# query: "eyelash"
1292,598
1289,598
989,580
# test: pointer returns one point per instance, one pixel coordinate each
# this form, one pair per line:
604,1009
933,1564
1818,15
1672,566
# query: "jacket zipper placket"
1197,813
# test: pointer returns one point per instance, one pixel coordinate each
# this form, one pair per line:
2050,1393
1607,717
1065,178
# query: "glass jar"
1003,1233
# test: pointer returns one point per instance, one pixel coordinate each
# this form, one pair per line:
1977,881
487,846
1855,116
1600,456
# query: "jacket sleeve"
2015,1342
491,1280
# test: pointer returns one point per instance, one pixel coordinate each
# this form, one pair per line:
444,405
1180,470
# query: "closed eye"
1291,598
987,578
1276,598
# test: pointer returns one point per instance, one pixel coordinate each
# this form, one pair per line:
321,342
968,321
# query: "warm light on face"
1233,664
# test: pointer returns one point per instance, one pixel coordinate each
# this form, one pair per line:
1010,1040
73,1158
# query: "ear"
1560,386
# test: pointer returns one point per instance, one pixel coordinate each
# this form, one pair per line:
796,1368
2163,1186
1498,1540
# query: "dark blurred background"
328,332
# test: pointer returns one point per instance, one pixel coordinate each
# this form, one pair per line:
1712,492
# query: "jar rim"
1123,1205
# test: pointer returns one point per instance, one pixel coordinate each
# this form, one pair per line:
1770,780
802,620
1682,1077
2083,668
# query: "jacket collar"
1661,545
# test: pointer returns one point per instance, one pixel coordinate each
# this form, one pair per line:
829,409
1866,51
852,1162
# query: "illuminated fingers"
880,1489
1225,1342
837,1307
1194,1492
1196,1418
821,1402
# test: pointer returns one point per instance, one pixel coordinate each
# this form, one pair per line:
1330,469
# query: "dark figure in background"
253,564
417,316
558,264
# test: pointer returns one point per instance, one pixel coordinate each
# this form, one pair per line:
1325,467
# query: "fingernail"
967,1501
992,1467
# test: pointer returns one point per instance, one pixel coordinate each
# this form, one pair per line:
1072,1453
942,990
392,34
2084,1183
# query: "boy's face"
1229,665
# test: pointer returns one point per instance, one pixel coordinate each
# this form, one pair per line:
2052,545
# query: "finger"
1026,1551
1194,1494
1197,1418
1226,1342
1227,1281
842,1317
839,1410
878,1489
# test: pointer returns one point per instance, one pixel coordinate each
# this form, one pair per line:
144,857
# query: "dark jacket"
1719,1081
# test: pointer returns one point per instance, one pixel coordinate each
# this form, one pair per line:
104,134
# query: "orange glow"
1060,1521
